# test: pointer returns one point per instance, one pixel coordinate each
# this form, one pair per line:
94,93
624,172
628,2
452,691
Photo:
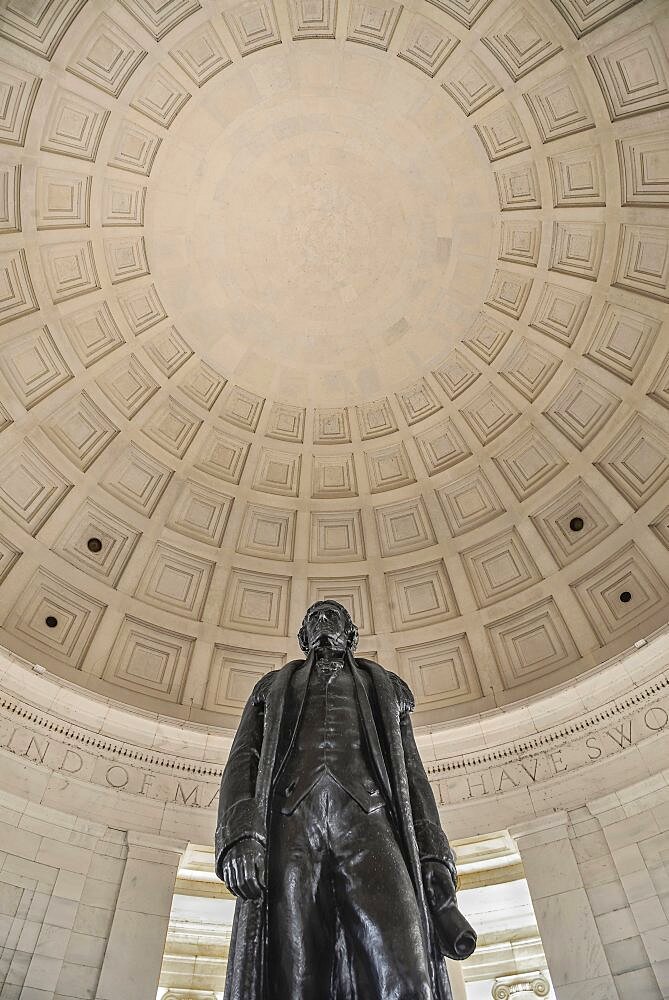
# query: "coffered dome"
285,316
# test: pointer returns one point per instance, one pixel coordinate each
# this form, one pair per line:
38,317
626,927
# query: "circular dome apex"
305,301
322,244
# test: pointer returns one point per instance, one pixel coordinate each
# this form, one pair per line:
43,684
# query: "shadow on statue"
329,835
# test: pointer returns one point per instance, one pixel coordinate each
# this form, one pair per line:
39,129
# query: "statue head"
328,625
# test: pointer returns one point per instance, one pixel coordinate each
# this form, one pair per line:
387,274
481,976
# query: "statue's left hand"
456,936
438,884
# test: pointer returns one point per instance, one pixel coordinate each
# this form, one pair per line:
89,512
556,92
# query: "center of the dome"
329,240
308,234
319,231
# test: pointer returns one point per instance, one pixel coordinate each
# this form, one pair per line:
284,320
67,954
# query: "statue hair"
351,629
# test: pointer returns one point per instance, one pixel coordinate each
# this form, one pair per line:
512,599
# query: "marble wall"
599,880
98,803
60,878
83,907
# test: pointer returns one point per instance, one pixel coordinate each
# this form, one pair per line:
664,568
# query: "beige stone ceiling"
283,315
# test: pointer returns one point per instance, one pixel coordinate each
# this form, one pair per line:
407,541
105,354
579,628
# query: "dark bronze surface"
329,836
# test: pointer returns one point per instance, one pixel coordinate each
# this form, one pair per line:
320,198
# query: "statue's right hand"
243,869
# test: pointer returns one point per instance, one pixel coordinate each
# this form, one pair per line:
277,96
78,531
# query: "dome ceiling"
285,316
329,243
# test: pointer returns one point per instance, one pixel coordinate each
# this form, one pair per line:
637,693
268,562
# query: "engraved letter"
117,776
477,785
656,719
186,799
77,762
531,771
620,737
40,751
505,776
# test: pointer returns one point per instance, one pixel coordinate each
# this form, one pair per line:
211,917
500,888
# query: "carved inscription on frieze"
81,765
521,767
78,756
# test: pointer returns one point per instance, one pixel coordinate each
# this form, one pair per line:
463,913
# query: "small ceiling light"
576,524
51,621
94,544
625,597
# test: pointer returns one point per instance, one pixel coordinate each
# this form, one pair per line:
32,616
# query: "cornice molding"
188,777
619,708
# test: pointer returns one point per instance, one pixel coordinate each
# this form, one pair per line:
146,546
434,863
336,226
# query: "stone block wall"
628,871
599,880
59,881
84,908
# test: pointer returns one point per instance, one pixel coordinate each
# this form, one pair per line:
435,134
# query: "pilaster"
571,939
134,952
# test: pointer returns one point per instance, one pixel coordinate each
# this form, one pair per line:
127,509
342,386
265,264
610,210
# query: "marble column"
456,976
134,954
572,944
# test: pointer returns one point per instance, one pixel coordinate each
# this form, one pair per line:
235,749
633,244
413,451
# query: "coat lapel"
274,707
370,729
306,669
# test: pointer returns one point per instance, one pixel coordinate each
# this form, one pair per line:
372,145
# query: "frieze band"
65,749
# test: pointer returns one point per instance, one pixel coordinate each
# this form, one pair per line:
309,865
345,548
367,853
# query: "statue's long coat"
245,800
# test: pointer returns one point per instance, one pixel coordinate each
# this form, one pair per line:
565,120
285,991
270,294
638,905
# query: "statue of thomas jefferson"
328,835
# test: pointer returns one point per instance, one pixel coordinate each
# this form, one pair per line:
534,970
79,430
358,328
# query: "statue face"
325,628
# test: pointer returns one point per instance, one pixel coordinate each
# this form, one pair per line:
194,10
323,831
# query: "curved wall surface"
99,759
365,301
360,300
99,803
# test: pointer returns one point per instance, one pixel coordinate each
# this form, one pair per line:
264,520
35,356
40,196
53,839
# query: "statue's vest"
329,739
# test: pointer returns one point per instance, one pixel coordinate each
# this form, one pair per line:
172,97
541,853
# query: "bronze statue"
329,835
